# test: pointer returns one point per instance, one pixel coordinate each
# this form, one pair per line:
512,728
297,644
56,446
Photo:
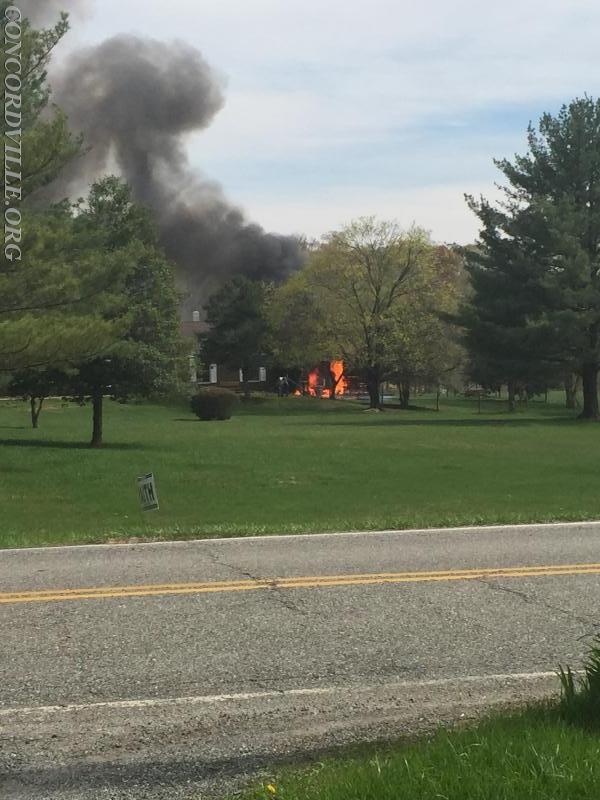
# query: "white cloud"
442,210
316,81
424,56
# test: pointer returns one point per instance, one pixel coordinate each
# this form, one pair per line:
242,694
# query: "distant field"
292,466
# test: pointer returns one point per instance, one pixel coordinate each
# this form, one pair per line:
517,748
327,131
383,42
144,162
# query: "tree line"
93,309
519,308
371,295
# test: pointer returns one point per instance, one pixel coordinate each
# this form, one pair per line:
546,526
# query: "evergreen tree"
53,283
536,279
124,316
504,345
44,142
238,322
148,355
53,306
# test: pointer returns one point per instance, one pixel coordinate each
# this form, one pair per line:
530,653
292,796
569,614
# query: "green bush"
214,403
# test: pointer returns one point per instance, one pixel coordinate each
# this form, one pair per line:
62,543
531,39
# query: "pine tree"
146,358
53,283
53,305
44,141
504,346
536,276
238,320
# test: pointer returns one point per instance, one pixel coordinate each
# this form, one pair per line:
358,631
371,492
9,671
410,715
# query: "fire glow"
315,387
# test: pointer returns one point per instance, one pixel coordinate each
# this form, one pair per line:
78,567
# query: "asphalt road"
177,670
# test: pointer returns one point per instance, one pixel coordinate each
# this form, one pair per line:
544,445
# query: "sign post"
147,492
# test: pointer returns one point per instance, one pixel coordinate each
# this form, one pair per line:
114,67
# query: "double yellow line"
311,582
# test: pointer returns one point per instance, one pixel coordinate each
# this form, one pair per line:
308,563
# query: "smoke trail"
135,99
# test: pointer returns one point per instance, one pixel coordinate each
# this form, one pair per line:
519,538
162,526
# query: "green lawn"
527,756
297,465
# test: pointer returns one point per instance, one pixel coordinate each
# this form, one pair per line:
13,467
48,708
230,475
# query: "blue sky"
339,108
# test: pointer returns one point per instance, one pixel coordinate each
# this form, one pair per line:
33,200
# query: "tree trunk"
331,385
590,391
571,391
511,396
36,408
404,392
373,382
97,418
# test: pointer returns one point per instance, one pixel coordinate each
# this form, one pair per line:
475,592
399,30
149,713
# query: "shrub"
214,403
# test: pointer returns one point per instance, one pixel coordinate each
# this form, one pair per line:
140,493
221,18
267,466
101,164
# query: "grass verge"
531,755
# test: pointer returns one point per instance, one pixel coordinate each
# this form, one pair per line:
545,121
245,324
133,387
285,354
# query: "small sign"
212,370
241,375
262,374
147,492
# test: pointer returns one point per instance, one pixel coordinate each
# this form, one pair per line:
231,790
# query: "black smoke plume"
135,100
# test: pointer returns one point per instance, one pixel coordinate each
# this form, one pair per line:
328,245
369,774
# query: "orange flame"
312,385
315,389
341,384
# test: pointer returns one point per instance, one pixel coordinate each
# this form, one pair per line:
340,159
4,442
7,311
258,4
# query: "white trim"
305,536
301,692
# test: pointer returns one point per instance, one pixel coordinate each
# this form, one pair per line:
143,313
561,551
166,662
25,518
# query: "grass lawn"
291,466
526,756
